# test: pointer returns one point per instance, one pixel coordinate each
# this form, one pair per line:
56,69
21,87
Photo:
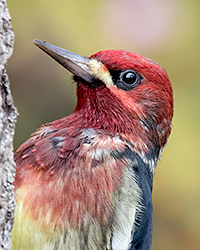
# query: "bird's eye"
129,77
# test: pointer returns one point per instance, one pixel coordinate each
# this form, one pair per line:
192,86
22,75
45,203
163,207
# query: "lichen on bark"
8,115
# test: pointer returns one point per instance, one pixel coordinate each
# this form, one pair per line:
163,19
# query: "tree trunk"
8,114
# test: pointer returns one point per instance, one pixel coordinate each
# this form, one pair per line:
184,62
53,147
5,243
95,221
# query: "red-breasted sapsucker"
84,182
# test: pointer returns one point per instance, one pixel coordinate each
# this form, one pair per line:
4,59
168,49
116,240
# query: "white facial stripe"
98,70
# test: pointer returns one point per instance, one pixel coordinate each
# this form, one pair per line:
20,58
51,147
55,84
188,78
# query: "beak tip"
38,42
35,41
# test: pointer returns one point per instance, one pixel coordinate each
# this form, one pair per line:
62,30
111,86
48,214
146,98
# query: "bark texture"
8,114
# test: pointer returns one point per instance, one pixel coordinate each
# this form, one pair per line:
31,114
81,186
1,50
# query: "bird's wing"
139,187
142,234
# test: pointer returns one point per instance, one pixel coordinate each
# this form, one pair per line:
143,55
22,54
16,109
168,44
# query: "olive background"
167,31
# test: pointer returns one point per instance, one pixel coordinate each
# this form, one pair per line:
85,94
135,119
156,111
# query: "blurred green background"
167,31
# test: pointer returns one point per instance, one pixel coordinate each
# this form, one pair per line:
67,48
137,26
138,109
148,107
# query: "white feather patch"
127,203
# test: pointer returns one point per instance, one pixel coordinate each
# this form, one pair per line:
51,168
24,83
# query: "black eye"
129,77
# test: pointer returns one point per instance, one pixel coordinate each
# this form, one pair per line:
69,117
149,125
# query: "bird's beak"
76,64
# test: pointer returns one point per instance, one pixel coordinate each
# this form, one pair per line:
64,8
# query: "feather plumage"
85,181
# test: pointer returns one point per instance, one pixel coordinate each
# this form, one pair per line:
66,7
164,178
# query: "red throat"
101,109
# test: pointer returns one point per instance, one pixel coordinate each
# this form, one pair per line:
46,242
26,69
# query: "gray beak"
76,64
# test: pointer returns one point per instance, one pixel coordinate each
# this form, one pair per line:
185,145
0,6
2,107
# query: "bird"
84,182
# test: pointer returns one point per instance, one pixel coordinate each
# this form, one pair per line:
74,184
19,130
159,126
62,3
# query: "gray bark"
8,114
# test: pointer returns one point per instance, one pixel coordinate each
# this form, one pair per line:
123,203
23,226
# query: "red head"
129,94
120,92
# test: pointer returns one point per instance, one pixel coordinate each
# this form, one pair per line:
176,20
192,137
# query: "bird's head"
120,92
